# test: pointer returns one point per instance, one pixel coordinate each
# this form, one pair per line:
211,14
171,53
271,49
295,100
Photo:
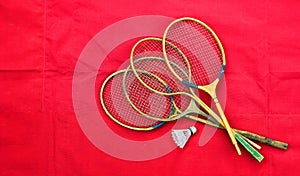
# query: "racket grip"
249,148
264,140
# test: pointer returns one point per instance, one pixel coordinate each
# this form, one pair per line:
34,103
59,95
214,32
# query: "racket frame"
210,88
115,119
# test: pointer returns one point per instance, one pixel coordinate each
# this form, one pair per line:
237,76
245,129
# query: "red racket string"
200,48
118,108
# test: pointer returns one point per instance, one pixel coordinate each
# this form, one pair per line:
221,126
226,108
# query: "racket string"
171,84
200,48
143,99
151,60
119,109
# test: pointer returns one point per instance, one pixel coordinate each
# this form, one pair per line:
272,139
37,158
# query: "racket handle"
262,139
250,135
251,142
249,148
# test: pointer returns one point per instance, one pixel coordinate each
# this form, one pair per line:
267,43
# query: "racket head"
165,108
118,109
203,51
151,49
144,101
164,82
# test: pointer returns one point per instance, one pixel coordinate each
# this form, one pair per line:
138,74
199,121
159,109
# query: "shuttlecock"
182,136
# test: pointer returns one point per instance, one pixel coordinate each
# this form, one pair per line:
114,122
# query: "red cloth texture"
42,41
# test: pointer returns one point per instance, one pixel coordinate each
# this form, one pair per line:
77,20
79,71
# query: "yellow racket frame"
111,116
210,88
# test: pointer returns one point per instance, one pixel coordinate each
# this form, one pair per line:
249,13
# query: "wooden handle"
262,139
250,149
250,135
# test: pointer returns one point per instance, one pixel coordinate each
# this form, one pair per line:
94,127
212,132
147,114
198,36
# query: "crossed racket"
189,57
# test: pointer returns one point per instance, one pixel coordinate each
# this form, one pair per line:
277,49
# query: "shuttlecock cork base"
181,137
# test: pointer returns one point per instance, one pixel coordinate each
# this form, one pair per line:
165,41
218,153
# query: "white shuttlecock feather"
182,136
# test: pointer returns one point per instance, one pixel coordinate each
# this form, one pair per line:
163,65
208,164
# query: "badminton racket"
204,59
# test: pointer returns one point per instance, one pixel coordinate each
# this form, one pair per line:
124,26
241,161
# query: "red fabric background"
40,45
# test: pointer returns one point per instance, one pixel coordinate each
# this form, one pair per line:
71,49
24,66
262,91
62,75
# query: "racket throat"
192,108
210,89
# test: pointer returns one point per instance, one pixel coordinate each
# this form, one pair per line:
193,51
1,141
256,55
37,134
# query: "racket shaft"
217,118
211,90
226,124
